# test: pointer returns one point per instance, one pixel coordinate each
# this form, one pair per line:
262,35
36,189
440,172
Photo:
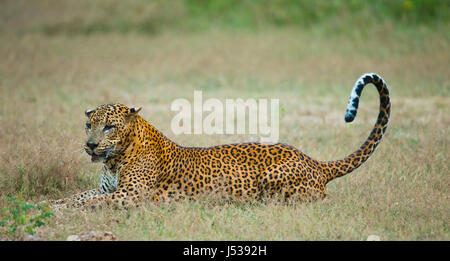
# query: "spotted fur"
140,162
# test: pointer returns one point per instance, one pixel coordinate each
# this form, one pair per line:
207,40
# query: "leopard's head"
107,128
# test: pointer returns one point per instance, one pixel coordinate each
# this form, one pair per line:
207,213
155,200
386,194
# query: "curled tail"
351,162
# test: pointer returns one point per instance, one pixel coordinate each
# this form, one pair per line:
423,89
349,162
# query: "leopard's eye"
107,127
88,125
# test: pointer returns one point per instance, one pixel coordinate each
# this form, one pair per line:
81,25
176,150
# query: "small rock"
32,238
73,238
373,238
93,236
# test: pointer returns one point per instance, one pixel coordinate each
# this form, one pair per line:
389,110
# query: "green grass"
53,17
48,80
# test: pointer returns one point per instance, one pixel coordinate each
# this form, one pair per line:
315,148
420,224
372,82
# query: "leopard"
141,163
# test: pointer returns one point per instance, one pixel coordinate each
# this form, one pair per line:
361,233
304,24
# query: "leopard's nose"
92,145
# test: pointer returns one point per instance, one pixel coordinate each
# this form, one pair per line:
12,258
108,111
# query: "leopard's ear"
132,113
135,111
88,112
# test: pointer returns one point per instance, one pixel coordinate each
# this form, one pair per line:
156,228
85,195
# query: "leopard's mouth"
104,156
98,158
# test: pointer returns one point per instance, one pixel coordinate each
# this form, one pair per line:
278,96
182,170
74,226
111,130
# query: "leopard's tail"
339,168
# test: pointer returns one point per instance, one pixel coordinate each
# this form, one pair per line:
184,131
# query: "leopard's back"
243,170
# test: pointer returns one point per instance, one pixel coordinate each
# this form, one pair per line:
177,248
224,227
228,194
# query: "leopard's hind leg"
293,180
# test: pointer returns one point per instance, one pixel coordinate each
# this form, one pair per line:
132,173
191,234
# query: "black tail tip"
349,116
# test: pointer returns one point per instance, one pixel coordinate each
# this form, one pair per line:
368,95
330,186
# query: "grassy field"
51,73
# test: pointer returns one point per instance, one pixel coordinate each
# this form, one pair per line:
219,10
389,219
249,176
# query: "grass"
47,81
153,17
